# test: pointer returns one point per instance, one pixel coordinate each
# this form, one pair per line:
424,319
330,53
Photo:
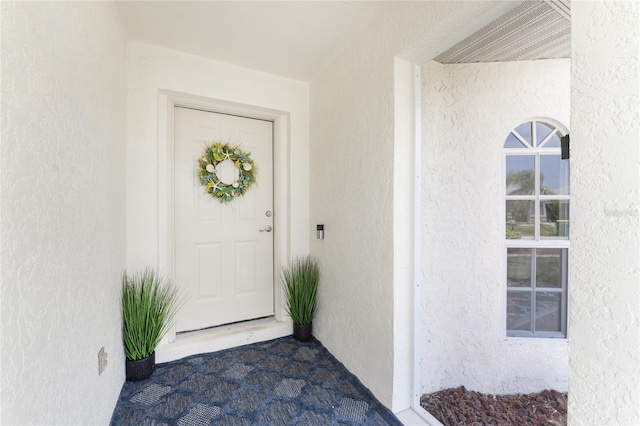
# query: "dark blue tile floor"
279,382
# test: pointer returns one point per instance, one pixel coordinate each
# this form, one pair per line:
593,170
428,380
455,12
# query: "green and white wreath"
215,154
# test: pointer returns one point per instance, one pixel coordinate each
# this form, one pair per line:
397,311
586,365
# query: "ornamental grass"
300,282
149,305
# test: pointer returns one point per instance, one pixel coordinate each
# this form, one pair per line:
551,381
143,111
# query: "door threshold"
222,327
222,337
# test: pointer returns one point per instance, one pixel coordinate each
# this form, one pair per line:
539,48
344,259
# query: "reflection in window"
554,219
537,201
513,142
548,312
549,267
554,175
521,176
524,131
519,311
519,267
542,132
552,141
520,221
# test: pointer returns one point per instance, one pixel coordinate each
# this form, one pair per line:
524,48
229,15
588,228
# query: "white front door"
223,252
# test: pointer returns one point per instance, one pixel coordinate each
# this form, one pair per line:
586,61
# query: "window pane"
549,267
553,142
542,131
518,267
513,142
519,220
554,220
521,178
518,310
554,175
524,130
548,311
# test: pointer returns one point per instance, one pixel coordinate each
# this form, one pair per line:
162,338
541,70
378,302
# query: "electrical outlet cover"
102,360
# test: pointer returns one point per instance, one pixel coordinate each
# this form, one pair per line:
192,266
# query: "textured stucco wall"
151,69
468,110
63,211
604,345
352,187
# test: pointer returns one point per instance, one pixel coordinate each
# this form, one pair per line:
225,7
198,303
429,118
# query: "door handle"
266,229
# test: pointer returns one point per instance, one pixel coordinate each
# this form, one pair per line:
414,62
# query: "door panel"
220,255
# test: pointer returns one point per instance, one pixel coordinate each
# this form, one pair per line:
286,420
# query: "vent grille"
563,7
532,30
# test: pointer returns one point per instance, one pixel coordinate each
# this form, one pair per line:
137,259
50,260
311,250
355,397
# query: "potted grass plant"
149,305
300,282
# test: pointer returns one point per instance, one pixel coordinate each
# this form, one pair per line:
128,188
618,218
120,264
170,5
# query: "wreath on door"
215,154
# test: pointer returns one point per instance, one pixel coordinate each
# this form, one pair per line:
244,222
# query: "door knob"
266,229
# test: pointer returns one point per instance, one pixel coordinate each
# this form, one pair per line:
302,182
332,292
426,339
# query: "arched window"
537,197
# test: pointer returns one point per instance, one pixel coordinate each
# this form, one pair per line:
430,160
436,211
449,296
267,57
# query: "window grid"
537,150
534,289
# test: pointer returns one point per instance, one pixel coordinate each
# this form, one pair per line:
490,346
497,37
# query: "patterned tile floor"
279,382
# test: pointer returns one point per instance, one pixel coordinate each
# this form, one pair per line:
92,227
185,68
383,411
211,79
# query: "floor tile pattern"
278,382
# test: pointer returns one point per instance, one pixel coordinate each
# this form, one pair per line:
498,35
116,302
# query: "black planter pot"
141,369
302,332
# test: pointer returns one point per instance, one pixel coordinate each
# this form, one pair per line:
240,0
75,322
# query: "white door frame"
167,101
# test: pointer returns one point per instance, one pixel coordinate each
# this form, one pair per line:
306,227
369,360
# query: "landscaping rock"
459,406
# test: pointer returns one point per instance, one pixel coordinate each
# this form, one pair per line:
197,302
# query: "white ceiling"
287,38
291,38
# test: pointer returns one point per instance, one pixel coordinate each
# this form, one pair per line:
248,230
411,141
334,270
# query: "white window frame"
536,242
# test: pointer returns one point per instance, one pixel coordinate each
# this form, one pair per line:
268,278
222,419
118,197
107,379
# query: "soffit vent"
563,7
532,30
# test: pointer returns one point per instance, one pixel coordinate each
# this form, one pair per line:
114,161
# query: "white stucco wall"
604,345
468,110
153,69
353,138
63,211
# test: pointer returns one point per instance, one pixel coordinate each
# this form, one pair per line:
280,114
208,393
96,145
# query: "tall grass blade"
300,282
149,305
